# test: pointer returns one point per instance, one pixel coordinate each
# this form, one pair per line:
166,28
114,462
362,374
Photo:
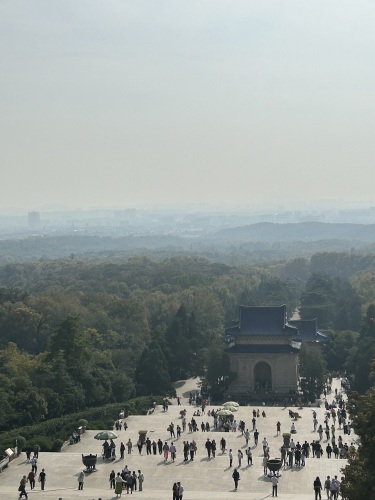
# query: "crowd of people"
294,454
33,475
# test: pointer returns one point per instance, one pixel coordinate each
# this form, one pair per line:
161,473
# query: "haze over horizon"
129,103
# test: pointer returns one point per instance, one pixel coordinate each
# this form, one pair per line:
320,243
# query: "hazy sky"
122,103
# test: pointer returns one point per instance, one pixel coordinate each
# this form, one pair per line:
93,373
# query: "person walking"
122,450
249,456
230,458
134,481
166,451
274,482
34,464
256,437
278,428
129,445
265,445
31,479
42,479
213,448
317,488
112,478
327,487
174,491
236,478
140,446
240,457
22,487
119,482
81,480
141,478
180,491
222,445
172,449
264,462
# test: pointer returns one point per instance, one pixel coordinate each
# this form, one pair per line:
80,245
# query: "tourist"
317,488
112,478
122,450
31,479
256,437
129,483
278,428
180,491
264,462
327,487
22,487
240,457
129,445
140,445
171,429
42,479
165,451
134,481
283,455
274,482
335,487
249,456
172,449
141,478
81,479
222,445
230,458
265,445
36,451
236,477
247,436
119,482
213,448
175,491
34,464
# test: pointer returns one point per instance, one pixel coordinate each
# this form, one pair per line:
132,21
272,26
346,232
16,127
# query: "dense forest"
77,334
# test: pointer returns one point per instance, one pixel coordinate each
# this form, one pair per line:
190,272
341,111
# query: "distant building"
309,334
33,219
263,353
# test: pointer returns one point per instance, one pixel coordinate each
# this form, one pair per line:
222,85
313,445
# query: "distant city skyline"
123,104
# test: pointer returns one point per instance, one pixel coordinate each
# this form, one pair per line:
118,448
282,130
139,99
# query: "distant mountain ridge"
300,231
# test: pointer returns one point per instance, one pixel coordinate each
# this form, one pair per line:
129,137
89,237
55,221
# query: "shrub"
97,424
44,442
21,442
101,418
82,422
57,445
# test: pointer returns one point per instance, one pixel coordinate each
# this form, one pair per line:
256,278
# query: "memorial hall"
263,353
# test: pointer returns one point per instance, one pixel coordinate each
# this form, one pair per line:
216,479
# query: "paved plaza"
202,478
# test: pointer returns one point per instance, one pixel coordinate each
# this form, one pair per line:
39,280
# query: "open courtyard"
201,478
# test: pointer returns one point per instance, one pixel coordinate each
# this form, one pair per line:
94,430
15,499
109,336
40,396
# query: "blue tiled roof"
254,320
308,331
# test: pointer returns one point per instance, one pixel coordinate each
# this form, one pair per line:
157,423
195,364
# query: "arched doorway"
263,376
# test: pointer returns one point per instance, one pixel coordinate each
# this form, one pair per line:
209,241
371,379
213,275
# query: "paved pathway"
202,478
